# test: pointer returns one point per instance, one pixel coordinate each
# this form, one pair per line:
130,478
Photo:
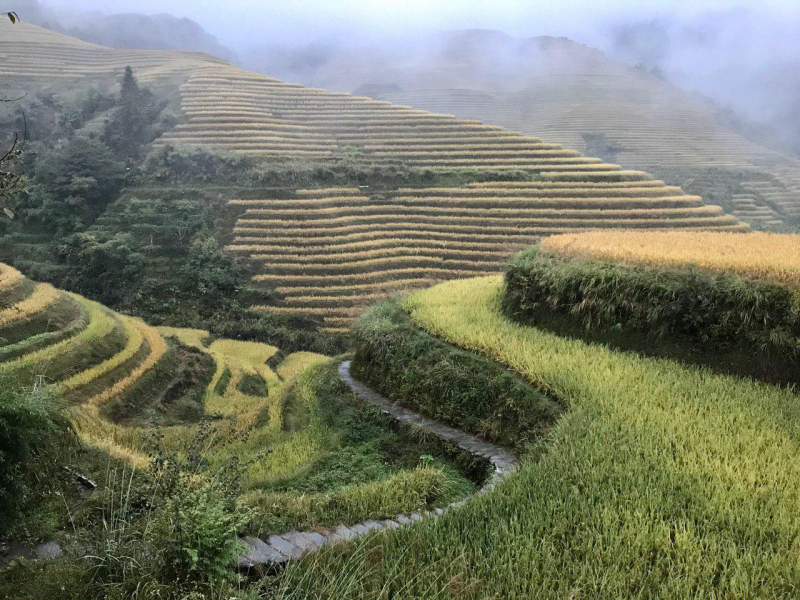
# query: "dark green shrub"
446,383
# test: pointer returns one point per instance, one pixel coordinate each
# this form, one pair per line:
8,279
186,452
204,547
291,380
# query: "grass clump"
33,433
168,531
447,384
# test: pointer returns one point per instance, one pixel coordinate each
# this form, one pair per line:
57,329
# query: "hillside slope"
330,251
33,55
574,95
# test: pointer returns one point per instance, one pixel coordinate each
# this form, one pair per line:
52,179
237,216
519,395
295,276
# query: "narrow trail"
279,549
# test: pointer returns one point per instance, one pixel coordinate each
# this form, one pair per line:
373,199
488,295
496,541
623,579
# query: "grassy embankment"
728,301
661,480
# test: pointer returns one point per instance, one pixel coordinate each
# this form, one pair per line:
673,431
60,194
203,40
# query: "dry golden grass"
758,255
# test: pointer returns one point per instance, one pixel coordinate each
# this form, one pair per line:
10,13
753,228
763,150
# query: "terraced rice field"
330,252
290,427
33,54
101,362
766,256
231,110
570,94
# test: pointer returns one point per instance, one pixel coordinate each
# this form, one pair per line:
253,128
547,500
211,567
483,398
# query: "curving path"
278,549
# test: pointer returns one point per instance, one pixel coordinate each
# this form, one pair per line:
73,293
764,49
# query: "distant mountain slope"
574,95
127,30
329,252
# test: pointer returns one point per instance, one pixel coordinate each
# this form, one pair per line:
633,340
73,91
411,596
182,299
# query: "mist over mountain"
125,30
744,59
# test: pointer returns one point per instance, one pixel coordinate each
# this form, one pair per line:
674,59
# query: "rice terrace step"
279,549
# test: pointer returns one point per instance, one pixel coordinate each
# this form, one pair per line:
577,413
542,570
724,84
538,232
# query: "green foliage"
103,270
209,273
73,184
198,520
598,144
291,334
447,384
165,533
660,481
32,432
168,164
78,109
12,182
253,385
367,467
704,311
403,492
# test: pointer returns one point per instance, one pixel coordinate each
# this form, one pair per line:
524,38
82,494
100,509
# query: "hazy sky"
250,22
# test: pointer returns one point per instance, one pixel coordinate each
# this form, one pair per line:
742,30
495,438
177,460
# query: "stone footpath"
278,549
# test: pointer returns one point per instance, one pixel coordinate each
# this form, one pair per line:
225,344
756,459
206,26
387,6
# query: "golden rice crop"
289,237
610,189
653,458
306,202
495,224
488,137
387,274
237,132
101,323
188,336
254,353
411,252
297,362
320,301
615,171
157,347
536,200
339,191
134,342
491,143
759,255
43,296
489,214
354,288
345,248
388,261
411,135
567,184
497,151
9,276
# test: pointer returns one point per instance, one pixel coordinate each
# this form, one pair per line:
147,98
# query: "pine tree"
130,127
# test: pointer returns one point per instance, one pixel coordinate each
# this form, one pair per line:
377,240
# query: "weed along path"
278,549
